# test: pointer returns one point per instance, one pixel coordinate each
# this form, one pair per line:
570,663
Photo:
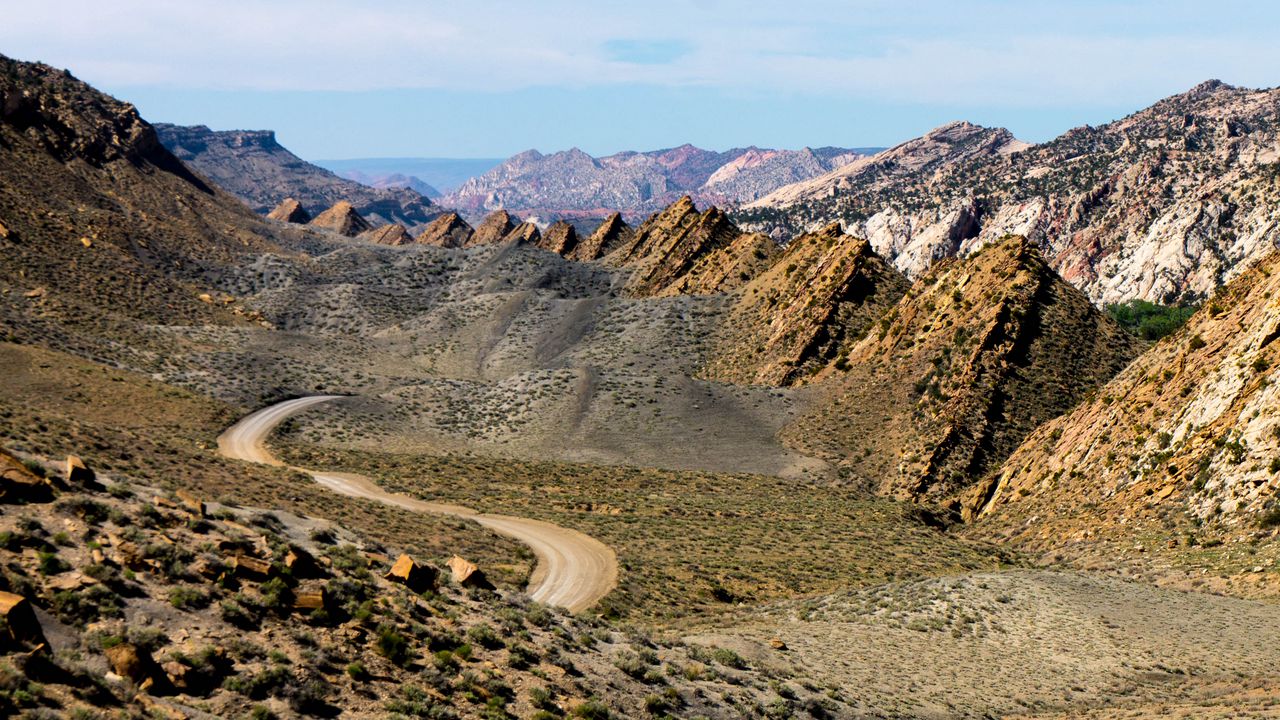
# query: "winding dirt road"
573,571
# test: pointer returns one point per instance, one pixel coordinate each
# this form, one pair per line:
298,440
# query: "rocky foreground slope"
261,172
573,184
1165,204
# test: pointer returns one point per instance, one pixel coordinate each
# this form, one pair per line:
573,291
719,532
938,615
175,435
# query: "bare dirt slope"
1001,644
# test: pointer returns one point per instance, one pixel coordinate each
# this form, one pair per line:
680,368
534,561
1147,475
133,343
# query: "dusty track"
573,571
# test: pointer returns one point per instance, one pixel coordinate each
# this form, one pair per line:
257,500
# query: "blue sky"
401,78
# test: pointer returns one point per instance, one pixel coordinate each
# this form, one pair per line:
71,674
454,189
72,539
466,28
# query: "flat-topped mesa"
974,357
494,229
609,236
448,230
342,218
290,211
393,234
561,238
668,244
526,233
801,316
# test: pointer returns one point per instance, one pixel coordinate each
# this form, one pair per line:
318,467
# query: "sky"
481,78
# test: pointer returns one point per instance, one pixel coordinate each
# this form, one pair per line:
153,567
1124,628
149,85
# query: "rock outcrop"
804,314
609,236
670,243
495,229
448,230
290,211
343,219
561,238
526,233
393,234
946,385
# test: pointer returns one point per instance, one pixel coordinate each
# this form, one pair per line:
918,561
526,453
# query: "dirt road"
573,570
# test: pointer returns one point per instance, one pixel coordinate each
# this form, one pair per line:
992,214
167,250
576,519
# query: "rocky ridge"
670,243
1165,204
1189,426
821,295
611,234
974,357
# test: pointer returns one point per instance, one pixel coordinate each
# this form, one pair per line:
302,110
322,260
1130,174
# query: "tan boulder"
134,664
310,599
20,624
78,474
18,484
191,503
467,574
252,567
412,575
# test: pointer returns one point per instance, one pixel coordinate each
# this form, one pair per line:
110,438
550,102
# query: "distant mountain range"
572,184
252,165
1164,205
442,174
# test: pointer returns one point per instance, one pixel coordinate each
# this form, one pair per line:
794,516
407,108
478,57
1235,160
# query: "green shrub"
393,646
185,597
1149,320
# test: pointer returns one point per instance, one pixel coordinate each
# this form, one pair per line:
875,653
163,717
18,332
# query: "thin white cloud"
930,52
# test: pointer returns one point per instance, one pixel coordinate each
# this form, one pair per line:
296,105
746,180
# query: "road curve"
573,570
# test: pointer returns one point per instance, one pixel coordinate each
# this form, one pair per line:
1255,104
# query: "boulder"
252,567
310,599
301,563
78,474
467,574
136,665
290,211
20,624
412,575
18,484
191,503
